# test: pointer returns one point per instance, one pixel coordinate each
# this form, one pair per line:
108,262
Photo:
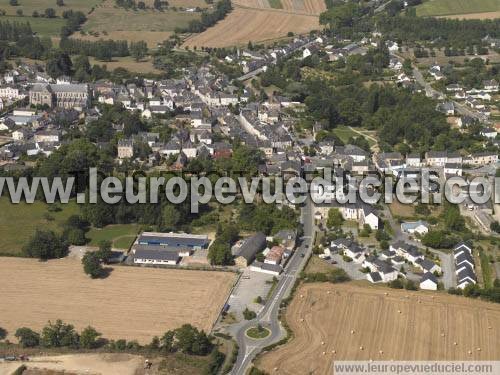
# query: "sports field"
350,322
455,7
132,303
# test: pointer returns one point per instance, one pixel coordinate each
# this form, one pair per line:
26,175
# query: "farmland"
109,22
132,303
362,323
243,25
455,7
261,21
29,6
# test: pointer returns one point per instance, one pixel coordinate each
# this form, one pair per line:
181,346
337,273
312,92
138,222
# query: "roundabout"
257,332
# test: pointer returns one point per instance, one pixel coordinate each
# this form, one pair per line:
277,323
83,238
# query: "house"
419,227
125,149
427,265
21,134
369,217
428,281
448,108
453,169
374,277
63,96
407,251
436,158
482,158
286,238
413,160
462,247
491,85
466,276
275,255
488,133
47,136
249,248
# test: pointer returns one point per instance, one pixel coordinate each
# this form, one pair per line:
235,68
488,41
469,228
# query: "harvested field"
112,364
132,303
386,327
292,6
243,25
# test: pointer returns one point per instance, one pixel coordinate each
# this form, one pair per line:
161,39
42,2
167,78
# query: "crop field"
454,7
475,16
110,22
243,25
350,322
132,303
293,6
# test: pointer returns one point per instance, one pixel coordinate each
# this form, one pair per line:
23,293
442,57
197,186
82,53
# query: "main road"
268,316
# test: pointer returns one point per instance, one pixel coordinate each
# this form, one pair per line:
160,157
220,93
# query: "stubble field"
349,322
132,303
257,21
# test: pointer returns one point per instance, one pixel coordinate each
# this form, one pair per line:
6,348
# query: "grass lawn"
276,4
143,66
486,270
121,235
344,133
255,333
451,7
41,26
19,221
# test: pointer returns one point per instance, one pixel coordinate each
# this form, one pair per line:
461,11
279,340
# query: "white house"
428,281
427,266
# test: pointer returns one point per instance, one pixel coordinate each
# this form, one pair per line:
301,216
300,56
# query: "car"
245,277
302,255
334,262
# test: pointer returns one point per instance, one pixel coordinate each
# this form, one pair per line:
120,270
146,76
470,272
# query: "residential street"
268,316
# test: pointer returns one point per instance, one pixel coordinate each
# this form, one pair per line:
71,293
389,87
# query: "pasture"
349,322
44,27
19,221
29,6
455,7
133,303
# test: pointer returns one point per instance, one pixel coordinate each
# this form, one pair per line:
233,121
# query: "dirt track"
385,326
132,303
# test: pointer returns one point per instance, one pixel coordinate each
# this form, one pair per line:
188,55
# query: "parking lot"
250,285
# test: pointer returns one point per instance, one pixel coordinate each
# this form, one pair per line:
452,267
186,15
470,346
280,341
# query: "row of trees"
208,19
186,339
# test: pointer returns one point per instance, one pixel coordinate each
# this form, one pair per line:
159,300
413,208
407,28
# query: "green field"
19,221
452,7
121,235
41,26
276,4
29,6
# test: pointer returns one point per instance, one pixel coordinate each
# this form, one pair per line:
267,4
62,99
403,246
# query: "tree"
192,341
59,335
157,4
50,13
335,218
249,314
92,265
75,236
60,3
138,50
89,338
141,5
167,341
27,337
14,3
45,245
58,64
104,253
3,333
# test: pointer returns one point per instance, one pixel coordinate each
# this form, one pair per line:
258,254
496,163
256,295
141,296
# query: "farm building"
184,240
245,253
155,256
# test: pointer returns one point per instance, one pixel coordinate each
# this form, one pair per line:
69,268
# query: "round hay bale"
380,352
324,353
334,351
455,343
361,348
478,349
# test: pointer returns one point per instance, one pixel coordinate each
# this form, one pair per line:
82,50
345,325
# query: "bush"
92,265
45,245
27,337
249,314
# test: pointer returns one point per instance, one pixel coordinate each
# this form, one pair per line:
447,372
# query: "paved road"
268,316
